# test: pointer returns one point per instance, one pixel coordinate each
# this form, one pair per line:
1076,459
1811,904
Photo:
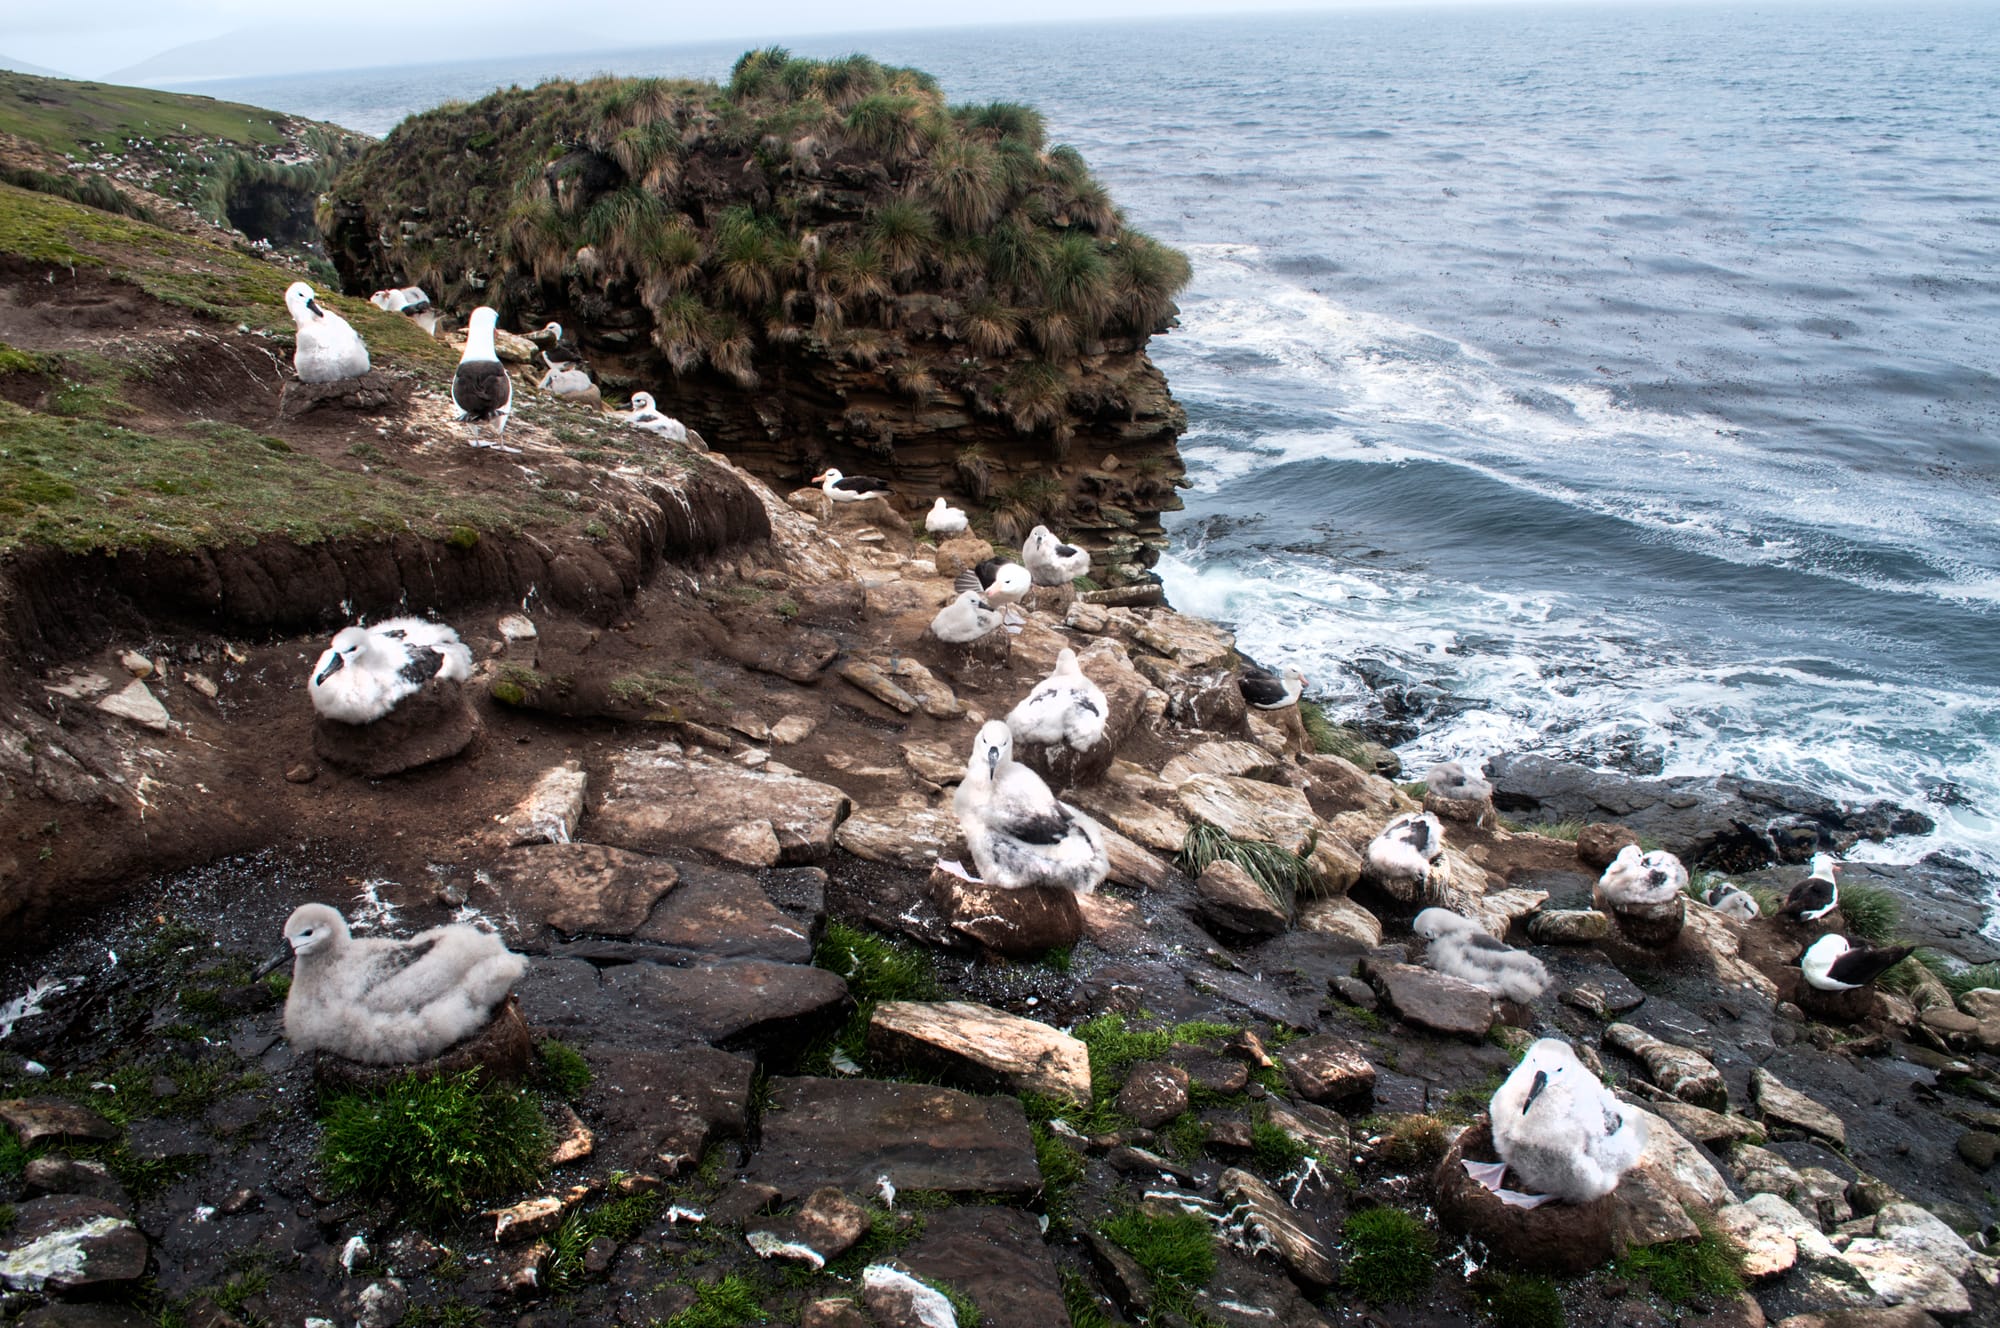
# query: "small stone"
516,627
1686,1074
526,1220
877,684
898,1300
202,684
1597,844
1154,1093
55,1174
239,1201
64,1241
1979,1148
138,705
1587,997
1355,992
550,811
1233,901
793,729
135,664
305,772
577,1141
1787,1106
1342,917
1328,1068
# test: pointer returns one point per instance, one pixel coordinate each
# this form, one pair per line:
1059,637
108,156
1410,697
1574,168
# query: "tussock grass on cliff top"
434,1146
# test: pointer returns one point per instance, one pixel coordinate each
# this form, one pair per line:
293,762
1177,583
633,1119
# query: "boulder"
551,809
1569,926
435,724
134,703
500,1051
851,1132
874,680
1017,923
1773,1235
662,797
1154,1093
1686,1074
1341,916
1332,868
1328,1068
1786,1107
578,888
1563,1239
1273,1227
1193,643
45,1120
1250,809
657,1111
726,914
1233,902
1431,1000
984,1048
1064,767
1497,911
65,1241
1336,786
1220,758
1120,803
912,837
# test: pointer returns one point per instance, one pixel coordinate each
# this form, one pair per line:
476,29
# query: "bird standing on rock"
481,389
1817,895
556,348
1050,562
1018,833
850,488
1267,690
646,414
944,519
329,349
1834,963
385,1001
1560,1130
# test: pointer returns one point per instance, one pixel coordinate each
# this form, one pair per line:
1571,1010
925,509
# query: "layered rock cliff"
820,264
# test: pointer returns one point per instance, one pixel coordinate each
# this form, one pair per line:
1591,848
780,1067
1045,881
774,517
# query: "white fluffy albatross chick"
1066,707
1731,902
646,414
1051,562
1453,782
367,671
1639,880
1461,948
1404,856
329,349
385,1001
944,519
1019,834
480,389
1560,1131
967,618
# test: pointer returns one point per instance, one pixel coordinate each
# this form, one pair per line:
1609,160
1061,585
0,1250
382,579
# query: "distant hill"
23,67
297,49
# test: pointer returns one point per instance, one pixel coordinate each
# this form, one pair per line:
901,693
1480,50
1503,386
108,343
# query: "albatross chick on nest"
1017,831
1560,1130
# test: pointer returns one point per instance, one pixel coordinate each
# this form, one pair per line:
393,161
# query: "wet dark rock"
657,1111
1291,1236
719,912
55,1174
1233,902
577,888
84,1314
1708,820
1328,1068
1979,1148
997,1258
734,1002
1154,1093
77,1241
850,1133
1122,1276
1431,1000
40,1120
435,724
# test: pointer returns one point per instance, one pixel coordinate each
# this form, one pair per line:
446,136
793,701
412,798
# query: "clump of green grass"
1961,980
1331,739
1870,912
1391,1255
13,1157
1567,831
728,1303
1517,1300
620,1220
1683,1271
1279,872
1176,1251
1086,1309
434,1146
877,969
1273,1149
562,1069
1062,1170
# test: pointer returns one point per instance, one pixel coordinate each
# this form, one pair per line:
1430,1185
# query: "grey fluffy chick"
385,1001
1449,779
1460,948
1636,879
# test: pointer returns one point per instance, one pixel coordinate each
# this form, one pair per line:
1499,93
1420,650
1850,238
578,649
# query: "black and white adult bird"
1731,902
1834,963
1559,1130
367,671
1269,690
850,488
481,389
328,347
1454,783
967,618
1405,857
1817,895
1019,834
1064,708
386,1001
556,347
646,414
412,303
1051,562
1637,879
944,519
1460,948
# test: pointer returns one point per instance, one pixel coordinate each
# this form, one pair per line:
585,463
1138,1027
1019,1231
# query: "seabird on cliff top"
1267,690
1818,894
1019,834
1003,582
944,519
1066,707
1050,562
1407,849
566,380
1560,1130
1834,963
329,349
850,488
1637,879
648,416
481,389
556,347
1731,902
367,671
1461,948
967,618
385,1001
1453,782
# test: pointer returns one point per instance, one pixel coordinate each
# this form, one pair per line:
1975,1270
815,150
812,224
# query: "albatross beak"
339,663
1541,1082
992,761
276,961
314,306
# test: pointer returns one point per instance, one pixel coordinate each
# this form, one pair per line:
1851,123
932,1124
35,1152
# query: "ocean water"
1617,383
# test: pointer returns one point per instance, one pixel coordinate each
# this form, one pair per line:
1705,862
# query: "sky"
101,37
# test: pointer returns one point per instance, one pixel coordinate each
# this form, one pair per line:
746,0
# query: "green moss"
1513,1300
434,1146
1185,1135
1961,980
1870,912
1062,1170
1390,1255
1278,871
562,1069
1177,1252
620,1220
876,968
728,1303
13,1157
1087,1309
1274,1150
1686,1270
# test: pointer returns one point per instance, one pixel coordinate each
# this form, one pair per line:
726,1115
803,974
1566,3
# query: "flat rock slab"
1018,923
1328,1068
1250,809
1773,1234
913,837
1342,917
850,1133
1431,1000
1688,1075
984,1048
714,911
733,1002
1220,758
579,888
656,1111
64,1241
1284,1232
135,703
1784,1106
38,1120
662,797
997,1258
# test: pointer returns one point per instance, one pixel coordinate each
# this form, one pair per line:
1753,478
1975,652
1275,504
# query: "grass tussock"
876,969
1391,1256
434,1147
1279,872
1177,1252
1331,739
728,1303
1518,1300
1870,912
1684,1271
561,1069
